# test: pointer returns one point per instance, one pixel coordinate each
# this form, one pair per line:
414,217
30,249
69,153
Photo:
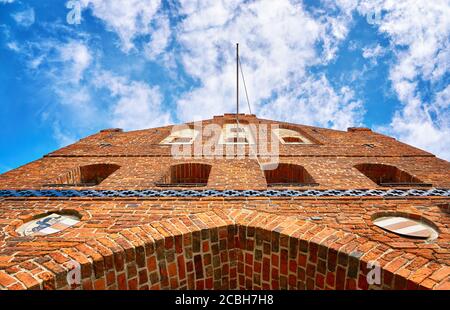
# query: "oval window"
49,224
406,227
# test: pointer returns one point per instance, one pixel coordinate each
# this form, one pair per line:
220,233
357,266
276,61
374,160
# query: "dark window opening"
89,175
233,121
293,140
386,175
369,145
181,140
237,129
190,174
237,140
289,174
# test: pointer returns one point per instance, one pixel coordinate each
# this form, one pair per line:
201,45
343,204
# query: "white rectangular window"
183,136
288,136
236,134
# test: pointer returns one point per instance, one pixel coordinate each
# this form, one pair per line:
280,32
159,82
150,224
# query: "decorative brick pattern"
441,192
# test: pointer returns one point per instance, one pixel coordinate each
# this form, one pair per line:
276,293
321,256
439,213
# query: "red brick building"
342,210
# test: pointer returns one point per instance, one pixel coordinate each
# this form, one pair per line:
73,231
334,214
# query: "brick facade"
225,243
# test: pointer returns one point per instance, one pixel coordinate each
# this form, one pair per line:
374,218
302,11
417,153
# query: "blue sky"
144,63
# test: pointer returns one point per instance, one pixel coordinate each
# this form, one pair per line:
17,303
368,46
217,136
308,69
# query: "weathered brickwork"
143,173
227,250
225,242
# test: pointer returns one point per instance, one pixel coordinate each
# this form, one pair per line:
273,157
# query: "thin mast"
237,83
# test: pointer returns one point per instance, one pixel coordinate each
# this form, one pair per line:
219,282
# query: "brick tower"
337,210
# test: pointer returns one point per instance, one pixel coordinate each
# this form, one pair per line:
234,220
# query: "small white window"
183,136
236,134
288,136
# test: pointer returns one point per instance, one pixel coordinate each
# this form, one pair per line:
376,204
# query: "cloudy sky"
71,68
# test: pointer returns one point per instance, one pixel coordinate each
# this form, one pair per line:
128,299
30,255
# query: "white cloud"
419,35
373,51
137,105
129,20
67,100
13,46
442,100
133,104
7,1
63,64
75,77
24,18
316,102
63,138
278,42
159,38
35,62
77,58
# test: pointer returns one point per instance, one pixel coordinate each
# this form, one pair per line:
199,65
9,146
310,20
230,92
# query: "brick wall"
144,172
330,160
226,250
214,242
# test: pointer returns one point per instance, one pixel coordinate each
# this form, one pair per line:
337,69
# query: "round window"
406,227
46,225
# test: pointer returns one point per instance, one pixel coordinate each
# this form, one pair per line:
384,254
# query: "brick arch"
187,174
87,175
288,174
229,249
382,174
